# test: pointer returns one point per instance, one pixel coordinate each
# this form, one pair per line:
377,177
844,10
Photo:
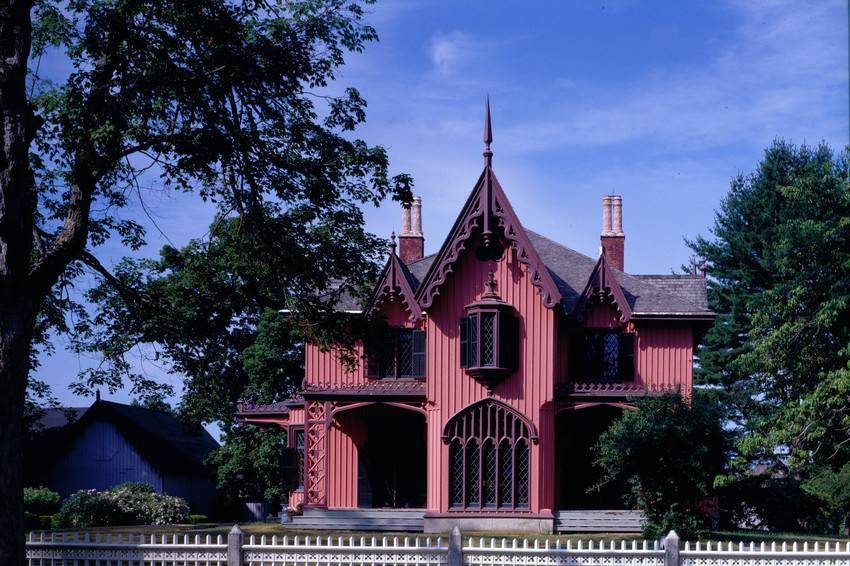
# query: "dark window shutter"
419,353
373,359
472,357
464,342
627,356
289,468
508,341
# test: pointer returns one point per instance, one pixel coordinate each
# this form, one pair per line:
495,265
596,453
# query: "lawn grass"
275,529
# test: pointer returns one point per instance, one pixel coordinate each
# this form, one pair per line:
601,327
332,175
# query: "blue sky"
662,102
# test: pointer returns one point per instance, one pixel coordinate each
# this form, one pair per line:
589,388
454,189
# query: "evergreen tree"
779,260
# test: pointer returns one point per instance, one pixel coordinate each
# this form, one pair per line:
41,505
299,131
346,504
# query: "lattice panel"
316,430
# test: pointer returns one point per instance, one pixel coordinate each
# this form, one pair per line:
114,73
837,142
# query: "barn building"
108,444
507,355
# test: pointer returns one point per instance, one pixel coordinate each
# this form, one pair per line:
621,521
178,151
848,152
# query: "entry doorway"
392,459
578,478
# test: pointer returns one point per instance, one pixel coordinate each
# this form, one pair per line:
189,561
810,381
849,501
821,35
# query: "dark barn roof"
159,436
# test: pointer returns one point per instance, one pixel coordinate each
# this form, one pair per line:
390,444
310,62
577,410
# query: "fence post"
671,549
234,546
455,547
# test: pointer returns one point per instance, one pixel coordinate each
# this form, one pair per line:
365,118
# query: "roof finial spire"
488,136
392,243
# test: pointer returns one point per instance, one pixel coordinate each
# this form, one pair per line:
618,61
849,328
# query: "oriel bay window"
489,338
602,356
396,353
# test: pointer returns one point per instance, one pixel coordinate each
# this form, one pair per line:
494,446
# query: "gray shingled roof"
647,294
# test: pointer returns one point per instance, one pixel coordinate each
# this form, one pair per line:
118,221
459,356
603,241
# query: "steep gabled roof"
647,295
486,209
396,280
602,284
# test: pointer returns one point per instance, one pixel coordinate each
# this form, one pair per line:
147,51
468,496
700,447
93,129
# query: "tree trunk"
16,326
17,305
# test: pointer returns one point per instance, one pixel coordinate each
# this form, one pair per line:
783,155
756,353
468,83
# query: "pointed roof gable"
487,208
395,281
602,284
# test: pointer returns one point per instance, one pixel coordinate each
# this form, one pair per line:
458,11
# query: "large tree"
225,98
779,260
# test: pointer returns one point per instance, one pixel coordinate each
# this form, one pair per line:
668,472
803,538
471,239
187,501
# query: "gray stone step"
611,521
396,520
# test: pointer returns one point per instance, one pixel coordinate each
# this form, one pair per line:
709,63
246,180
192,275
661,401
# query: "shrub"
31,521
668,452
41,501
126,504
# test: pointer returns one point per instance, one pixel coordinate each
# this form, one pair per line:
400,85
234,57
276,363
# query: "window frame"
582,369
418,344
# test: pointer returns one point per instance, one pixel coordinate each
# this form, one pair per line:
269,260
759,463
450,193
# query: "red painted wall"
529,390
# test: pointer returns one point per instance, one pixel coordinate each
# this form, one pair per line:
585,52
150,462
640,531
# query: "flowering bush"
125,504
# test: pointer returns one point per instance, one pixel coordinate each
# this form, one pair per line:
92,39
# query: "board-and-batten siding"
664,355
529,390
99,458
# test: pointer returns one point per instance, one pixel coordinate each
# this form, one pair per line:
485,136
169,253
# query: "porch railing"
236,549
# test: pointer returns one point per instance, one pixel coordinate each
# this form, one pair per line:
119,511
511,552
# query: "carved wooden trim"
394,283
600,285
487,207
316,460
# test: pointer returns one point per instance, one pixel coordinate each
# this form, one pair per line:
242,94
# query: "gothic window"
396,353
602,356
489,458
299,457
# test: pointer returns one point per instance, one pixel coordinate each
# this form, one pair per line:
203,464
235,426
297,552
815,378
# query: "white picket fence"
92,549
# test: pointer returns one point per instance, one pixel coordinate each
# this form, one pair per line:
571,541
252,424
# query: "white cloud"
452,50
775,78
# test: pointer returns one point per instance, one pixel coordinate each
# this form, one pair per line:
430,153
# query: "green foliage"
668,453
228,100
832,490
249,464
126,504
41,500
768,503
779,261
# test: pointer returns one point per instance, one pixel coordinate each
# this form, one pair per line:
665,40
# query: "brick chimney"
613,239
411,242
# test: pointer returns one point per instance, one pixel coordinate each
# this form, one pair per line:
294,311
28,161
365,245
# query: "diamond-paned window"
473,473
491,473
396,353
522,473
602,356
489,464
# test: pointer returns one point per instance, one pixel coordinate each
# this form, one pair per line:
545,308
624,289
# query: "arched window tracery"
489,457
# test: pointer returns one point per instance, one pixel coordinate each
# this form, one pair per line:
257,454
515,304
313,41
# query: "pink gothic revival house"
507,355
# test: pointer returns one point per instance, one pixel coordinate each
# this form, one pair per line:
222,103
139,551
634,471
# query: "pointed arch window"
489,458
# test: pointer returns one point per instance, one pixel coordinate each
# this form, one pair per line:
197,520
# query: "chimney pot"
606,215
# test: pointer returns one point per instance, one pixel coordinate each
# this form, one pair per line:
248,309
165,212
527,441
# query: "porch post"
316,453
